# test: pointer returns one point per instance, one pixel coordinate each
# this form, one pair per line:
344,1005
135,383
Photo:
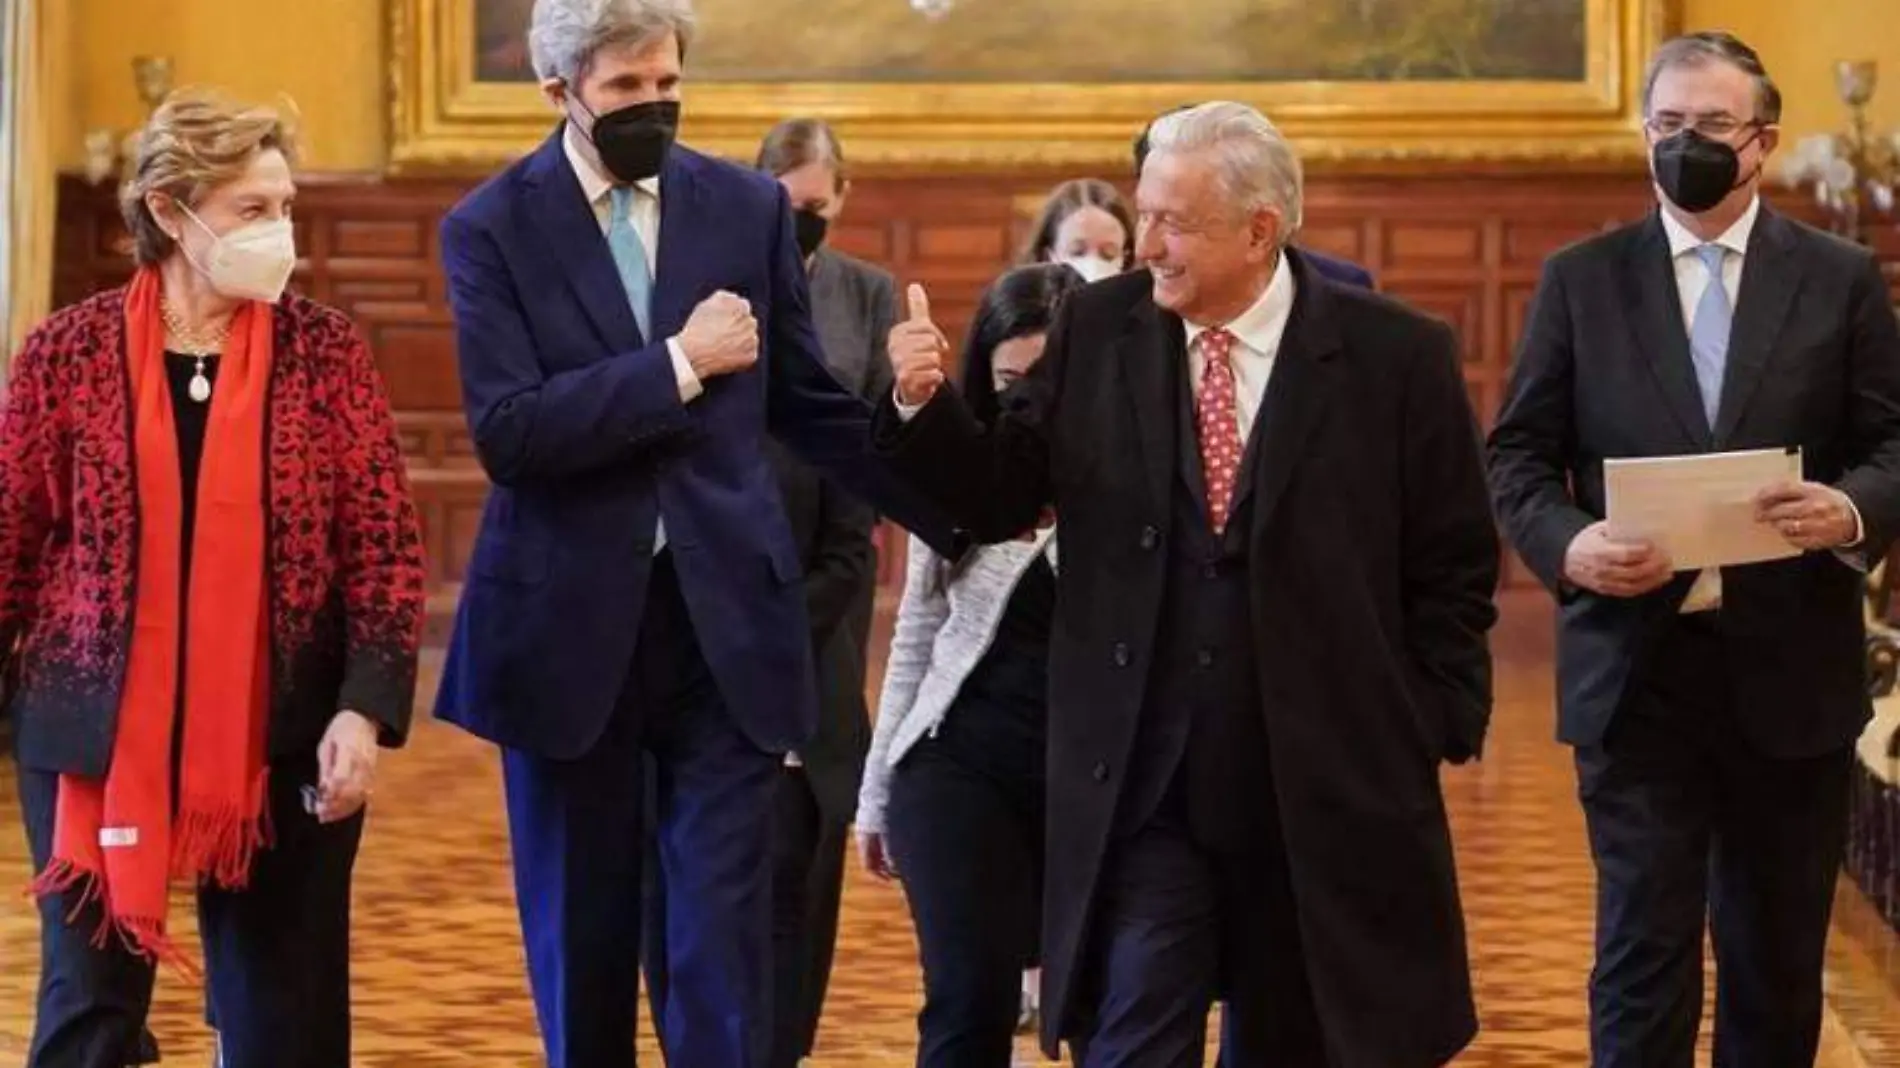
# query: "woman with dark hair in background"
953,792
853,307
1086,224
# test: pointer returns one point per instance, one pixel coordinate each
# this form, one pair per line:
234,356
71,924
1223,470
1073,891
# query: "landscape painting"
1106,41
1060,83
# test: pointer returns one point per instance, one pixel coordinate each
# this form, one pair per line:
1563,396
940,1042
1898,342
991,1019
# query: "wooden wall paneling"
1467,248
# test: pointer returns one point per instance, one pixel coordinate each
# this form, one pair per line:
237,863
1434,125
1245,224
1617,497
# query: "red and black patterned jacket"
343,545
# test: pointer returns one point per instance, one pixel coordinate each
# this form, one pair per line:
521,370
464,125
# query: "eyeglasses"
1713,127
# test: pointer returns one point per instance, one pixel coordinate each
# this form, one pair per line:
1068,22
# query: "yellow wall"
328,56
1799,42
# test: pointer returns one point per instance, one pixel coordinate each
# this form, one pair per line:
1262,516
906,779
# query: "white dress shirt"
645,209
1257,333
1692,280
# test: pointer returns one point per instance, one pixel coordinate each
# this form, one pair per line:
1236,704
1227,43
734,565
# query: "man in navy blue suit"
632,319
1331,267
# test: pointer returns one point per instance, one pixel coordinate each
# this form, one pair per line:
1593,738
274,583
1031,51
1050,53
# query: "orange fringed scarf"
122,840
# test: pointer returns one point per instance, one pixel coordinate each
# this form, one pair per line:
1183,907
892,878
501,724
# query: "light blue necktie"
1708,331
630,256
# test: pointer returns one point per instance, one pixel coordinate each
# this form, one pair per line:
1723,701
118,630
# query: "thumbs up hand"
917,351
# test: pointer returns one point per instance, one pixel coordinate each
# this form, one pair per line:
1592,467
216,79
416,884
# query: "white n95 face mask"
252,262
1092,268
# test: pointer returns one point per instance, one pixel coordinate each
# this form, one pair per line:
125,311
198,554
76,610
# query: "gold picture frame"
444,117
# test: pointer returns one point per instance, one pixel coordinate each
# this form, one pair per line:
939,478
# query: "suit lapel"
1770,278
1304,373
1188,438
674,292
561,214
1149,355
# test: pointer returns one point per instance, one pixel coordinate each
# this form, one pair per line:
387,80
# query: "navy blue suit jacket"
1338,270
578,422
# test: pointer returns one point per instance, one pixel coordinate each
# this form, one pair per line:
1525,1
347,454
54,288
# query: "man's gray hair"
565,35
1257,168
1715,46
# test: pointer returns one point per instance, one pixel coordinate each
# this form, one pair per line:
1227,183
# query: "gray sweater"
942,632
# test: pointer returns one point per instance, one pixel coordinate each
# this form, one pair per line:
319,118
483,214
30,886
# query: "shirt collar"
595,185
1735,238
1260,326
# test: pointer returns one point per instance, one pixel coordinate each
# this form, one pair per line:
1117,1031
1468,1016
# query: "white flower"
1839,173
1808,160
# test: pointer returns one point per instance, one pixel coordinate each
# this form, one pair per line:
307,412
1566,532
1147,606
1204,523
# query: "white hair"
565,35
1256,167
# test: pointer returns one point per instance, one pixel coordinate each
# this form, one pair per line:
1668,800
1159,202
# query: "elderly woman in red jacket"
210,605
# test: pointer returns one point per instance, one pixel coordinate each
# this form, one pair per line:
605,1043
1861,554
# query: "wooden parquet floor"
439,979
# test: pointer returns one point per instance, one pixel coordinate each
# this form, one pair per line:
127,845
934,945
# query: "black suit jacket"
853,304
1376,558
1603,371
832,530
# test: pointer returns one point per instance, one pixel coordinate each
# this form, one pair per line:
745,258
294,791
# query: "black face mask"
633,141
810,228
1695,172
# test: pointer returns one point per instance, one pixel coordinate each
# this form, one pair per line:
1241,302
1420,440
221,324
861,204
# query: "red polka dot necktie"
1219,425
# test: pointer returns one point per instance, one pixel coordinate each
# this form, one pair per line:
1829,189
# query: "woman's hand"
346,767
876,855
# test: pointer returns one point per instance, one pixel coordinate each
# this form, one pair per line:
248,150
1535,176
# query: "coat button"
1210,571
1121,654
1100,773
1205,658
1150,537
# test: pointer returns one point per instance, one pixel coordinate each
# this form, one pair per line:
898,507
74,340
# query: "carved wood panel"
1467,248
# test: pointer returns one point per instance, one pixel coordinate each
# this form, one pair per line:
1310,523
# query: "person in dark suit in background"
853,305
1343,271
1278,562
1713,713
632,319
816,797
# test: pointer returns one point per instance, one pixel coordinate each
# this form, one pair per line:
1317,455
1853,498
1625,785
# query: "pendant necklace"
201,344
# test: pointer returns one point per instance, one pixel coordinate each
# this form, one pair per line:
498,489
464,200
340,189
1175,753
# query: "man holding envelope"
1712,711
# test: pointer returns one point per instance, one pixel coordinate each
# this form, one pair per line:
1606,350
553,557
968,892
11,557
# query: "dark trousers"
578,833
1693,829
967,842
277,954
808,854
808,858
1179,925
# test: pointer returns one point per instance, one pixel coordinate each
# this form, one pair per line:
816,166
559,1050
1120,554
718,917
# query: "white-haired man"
1277,569
632,318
